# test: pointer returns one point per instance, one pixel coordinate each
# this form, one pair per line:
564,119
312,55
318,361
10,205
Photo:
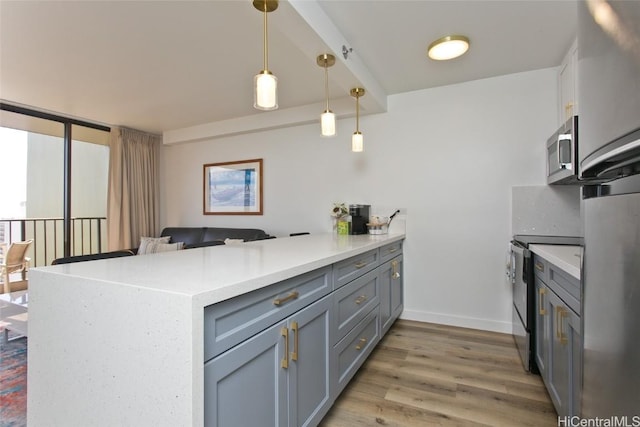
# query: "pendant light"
357,141
265,83
327,118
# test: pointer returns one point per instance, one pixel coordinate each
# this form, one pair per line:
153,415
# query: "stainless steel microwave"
562,154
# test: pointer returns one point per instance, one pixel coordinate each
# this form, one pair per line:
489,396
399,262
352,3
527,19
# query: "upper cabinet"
568,85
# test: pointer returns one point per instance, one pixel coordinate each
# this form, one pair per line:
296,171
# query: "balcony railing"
88,236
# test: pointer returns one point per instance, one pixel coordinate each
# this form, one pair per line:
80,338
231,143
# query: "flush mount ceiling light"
327,118
357,141
448,47
265,83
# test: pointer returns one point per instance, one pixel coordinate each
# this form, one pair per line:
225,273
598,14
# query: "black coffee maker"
359,218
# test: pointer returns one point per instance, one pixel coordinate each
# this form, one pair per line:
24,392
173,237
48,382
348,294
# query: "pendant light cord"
326,84
358,112
265,38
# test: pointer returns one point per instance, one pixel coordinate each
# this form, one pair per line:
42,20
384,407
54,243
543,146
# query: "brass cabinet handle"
360,264
285,361
394,270
294,328
539,266
541,310
292,295
361,299
562,313
361,344
392,250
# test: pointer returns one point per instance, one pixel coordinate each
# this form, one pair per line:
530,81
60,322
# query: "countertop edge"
243,283
562,256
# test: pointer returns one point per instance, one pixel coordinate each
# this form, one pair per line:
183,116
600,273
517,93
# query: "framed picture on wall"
233,188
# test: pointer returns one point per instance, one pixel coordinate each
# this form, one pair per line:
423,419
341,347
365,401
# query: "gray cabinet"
390,277
280,377
245,385
280,356
558,336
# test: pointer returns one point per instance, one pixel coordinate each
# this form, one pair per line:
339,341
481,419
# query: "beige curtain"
132,205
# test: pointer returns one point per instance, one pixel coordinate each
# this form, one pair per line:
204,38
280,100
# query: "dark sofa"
192,237
197,237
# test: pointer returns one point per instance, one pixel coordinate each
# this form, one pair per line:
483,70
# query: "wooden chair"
14,260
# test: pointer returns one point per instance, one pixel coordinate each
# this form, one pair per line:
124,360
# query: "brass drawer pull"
360,264
292,295
361,299
392,250
361,344
539,266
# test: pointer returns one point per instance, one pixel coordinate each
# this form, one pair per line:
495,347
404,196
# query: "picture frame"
233,188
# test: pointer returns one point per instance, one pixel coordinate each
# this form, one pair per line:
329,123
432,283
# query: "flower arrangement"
341,218
339,210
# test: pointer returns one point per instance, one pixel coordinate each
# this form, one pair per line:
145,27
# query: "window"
54,183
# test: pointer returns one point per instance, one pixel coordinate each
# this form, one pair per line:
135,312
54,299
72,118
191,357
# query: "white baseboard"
460,321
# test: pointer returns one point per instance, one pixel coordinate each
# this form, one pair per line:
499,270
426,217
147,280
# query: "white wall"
449,155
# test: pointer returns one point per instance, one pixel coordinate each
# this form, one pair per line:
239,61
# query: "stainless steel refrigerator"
609,127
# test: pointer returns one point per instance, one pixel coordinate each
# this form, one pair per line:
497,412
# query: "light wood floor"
422,374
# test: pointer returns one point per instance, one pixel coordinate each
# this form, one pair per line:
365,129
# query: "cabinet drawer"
390,251
233,321
351,268
566,286
352,351
540,267
352,302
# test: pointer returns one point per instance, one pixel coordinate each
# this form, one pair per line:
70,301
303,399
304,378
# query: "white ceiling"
166,65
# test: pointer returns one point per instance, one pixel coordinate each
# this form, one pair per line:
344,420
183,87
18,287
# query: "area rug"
13,381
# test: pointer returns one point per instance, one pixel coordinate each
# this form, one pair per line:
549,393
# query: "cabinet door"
397,292
573,329
384,280
542,328
560,349
565,373
247,385
391,292
567,84
309,387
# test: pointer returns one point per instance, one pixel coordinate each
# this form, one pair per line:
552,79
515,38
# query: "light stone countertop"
566,257
213,274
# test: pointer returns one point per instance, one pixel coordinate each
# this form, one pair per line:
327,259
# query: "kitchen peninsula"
129,341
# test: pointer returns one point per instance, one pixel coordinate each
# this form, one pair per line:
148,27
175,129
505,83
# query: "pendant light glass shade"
265,84
265,91
328,123
357,142
327,118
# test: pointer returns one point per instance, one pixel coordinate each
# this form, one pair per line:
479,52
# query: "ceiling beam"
375,100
